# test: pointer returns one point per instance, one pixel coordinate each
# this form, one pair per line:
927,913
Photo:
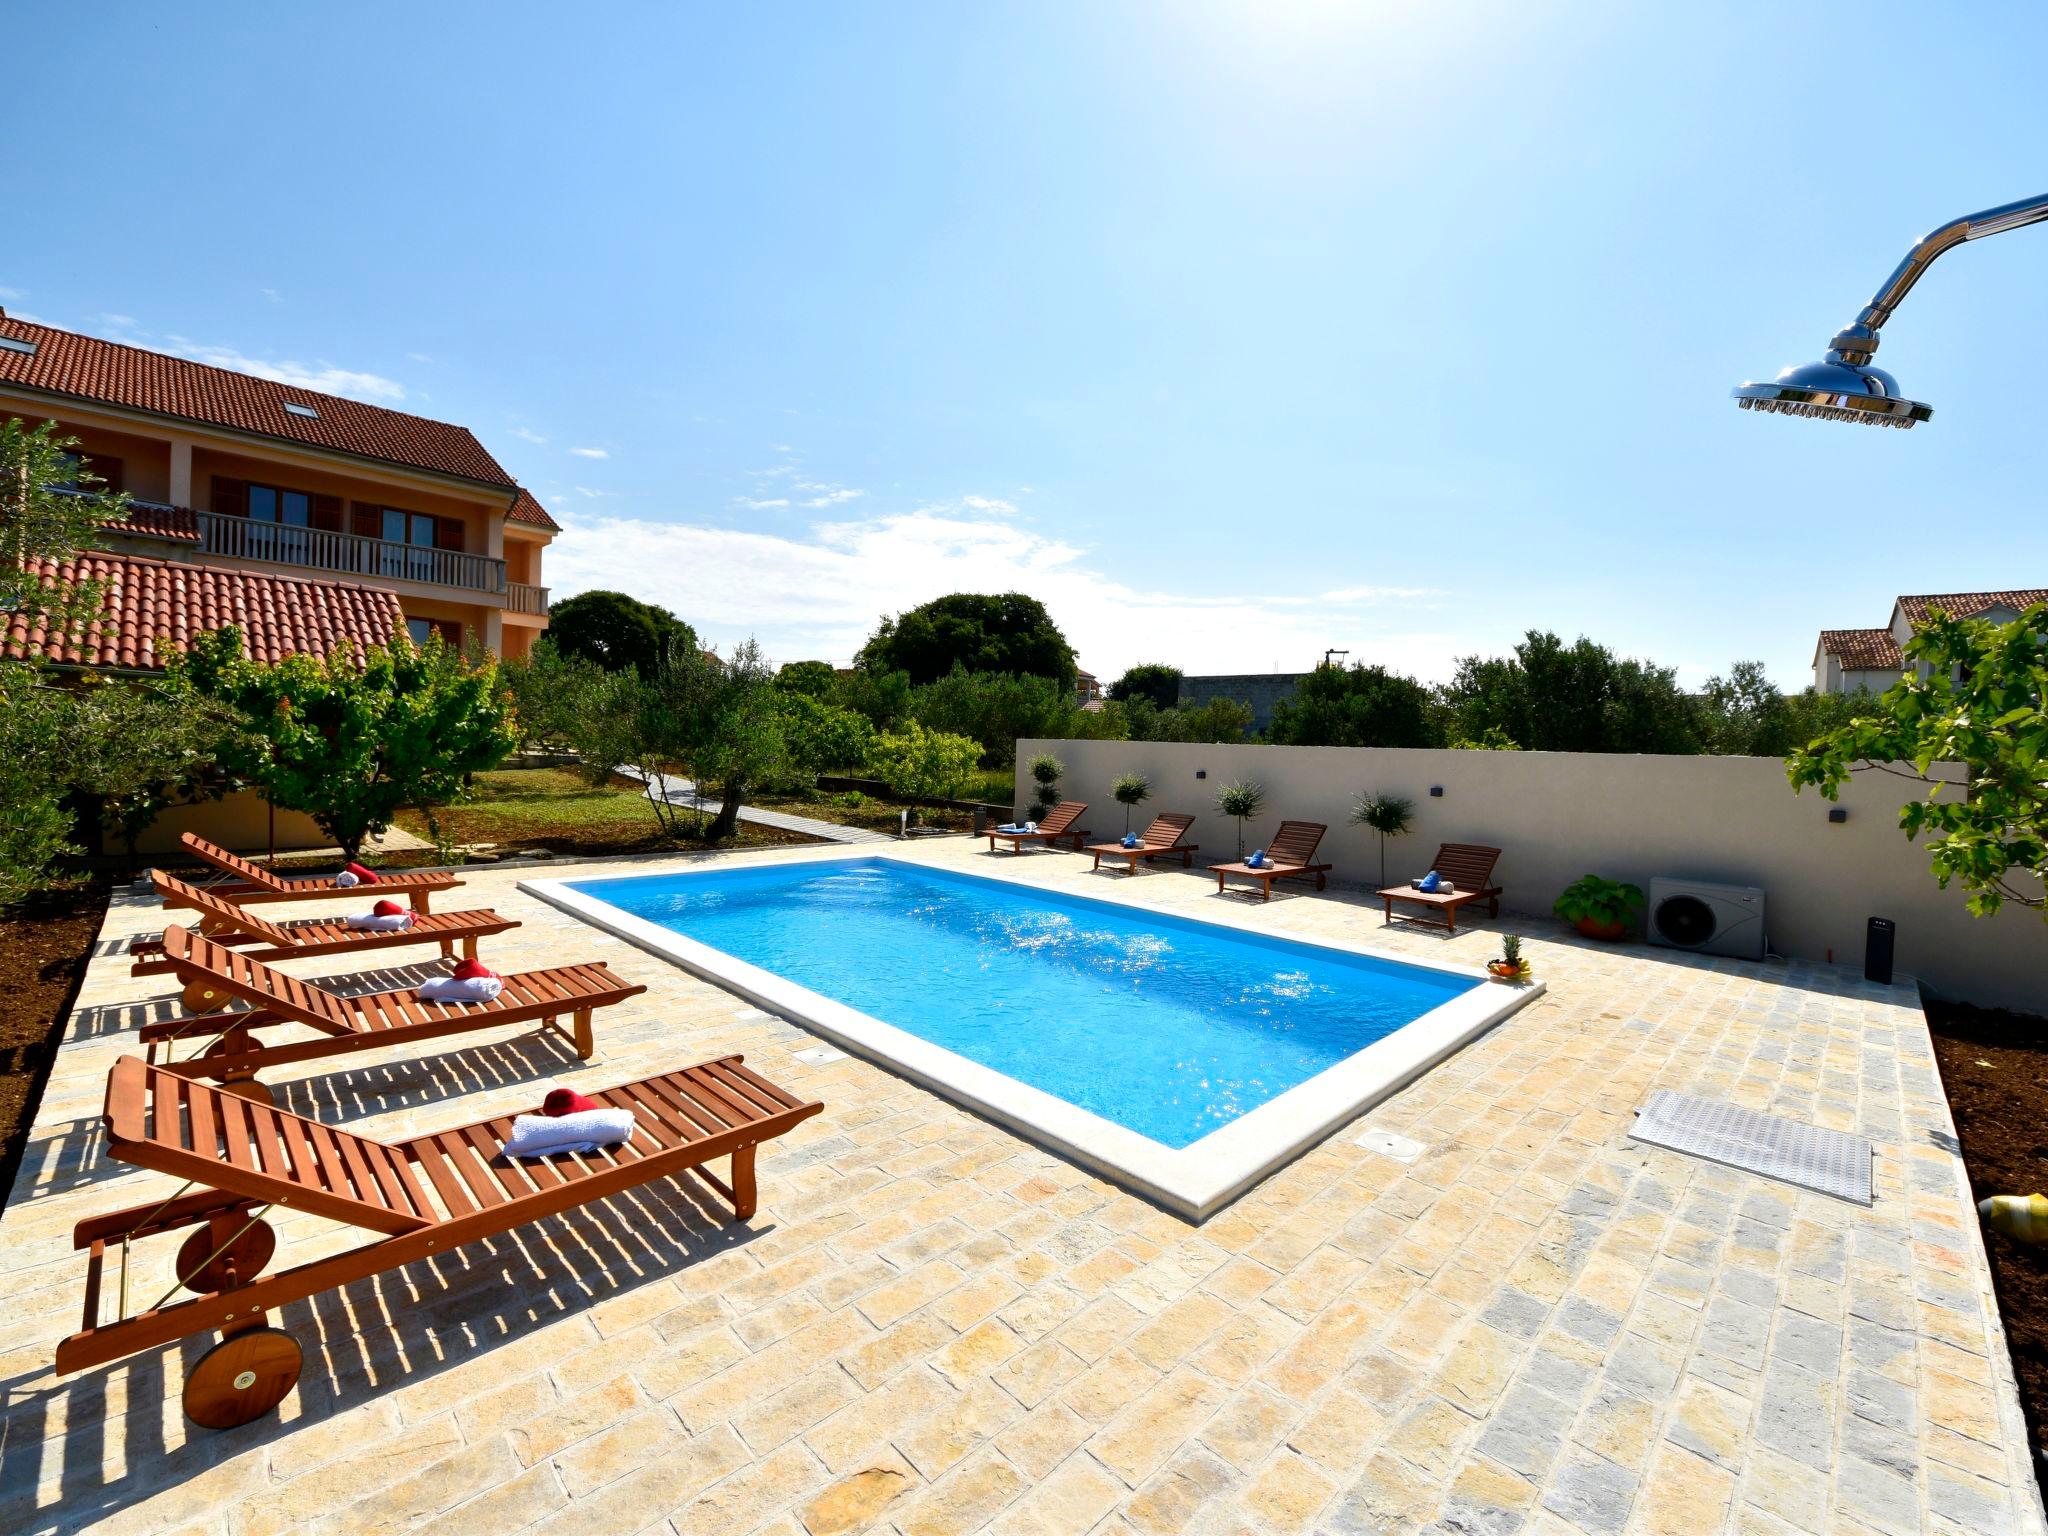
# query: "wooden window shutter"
230,497
369,520
448,533
327,513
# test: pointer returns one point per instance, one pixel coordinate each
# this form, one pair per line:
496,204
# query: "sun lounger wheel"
242,1083
242,1378
246,1253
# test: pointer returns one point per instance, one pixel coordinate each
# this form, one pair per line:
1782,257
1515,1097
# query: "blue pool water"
1166,1026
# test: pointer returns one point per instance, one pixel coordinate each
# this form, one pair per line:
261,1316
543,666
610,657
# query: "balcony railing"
525,599
348,554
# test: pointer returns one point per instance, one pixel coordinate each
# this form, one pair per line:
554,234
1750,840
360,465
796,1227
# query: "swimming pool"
1176,1055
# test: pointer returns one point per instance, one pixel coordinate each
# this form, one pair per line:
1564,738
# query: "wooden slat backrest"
242,920
193,1130
1296,842
1062,816
234,864
242,977
1468,866
1166,829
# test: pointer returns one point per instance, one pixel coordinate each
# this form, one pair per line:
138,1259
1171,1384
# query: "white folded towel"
345,880
455,989
586,1131
1030,826
1011,826
382,922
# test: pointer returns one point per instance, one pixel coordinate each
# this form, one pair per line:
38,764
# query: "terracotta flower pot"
1606,932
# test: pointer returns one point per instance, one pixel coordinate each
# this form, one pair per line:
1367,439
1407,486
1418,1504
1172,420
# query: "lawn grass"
556,809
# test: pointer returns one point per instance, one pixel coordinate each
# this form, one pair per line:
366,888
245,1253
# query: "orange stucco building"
263,481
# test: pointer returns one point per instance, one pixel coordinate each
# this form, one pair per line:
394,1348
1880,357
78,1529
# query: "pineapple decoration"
1510,966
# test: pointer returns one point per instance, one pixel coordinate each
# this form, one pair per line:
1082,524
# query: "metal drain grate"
1830,1162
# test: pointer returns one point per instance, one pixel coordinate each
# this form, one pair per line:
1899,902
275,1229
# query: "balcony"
525,599
348,554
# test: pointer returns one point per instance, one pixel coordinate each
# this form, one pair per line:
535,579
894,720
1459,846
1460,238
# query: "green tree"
1242,800
137,749
351,738
34,827
1150,680
1130,790
1388,815
740,742
994,708
921,764
821,737
550,694
883,699
1219,720
616,631
977,632
1553,697
1492,739
813,679
1355,706
1046,773
1982,706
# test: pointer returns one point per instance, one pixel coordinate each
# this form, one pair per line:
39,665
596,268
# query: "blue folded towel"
1010,826
1130,839
1257,860
1429,882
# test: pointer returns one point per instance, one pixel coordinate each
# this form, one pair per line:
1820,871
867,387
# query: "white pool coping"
1193,1182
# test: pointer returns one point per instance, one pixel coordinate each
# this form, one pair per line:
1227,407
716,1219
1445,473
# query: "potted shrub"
1243,800
1598,907
1388,815
1130,790
1046,773
1510,966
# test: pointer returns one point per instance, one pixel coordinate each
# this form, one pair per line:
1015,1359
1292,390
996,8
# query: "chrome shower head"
1843,386
1834,390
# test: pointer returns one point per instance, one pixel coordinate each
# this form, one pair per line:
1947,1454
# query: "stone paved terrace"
934,1327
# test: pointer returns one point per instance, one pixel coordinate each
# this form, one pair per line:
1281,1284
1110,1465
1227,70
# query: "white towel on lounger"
381,922
456,989
345,880
586,1131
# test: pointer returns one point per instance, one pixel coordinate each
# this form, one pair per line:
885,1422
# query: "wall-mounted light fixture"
1436,791
1201,773
1838,813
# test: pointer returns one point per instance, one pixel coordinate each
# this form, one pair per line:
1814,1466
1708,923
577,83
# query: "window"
14,344
294,408
449,630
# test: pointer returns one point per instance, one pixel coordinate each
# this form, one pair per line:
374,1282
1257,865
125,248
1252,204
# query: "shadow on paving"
374,1337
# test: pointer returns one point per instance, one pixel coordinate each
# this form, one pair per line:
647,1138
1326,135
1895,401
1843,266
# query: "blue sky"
1233,332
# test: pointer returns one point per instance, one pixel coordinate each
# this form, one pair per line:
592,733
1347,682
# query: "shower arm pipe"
1858,342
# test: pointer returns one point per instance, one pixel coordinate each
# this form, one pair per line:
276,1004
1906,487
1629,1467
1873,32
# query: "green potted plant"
1598,907
1130,790
1510,966
1243,800
1046,772
1388,815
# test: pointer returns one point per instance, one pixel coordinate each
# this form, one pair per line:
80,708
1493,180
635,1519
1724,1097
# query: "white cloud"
419,357
590,453
271,294
113,322
821,594
591,492
323,376
527,435
9,295
761,505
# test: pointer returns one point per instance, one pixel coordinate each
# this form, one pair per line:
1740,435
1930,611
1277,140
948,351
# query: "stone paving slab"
934,1327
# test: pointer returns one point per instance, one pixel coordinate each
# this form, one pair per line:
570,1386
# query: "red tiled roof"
1967,605
527,509
154,520
110,373
1862,650
144,600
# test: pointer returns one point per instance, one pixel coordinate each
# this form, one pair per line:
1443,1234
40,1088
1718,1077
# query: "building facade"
297,497
1871,660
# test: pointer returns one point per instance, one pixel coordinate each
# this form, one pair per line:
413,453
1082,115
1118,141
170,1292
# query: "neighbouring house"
1261,691
257,502
1871,660
1087,689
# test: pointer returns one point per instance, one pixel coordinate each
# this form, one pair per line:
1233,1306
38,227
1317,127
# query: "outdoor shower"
1843,386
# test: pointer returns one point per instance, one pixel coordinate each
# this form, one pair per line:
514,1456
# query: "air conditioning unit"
1706,918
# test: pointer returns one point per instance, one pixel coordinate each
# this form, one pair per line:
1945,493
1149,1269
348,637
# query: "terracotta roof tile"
148,599
87,368
527,509
1862,650
1967,605
154,520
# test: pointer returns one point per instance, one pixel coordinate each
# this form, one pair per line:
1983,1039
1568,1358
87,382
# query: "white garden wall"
1560,815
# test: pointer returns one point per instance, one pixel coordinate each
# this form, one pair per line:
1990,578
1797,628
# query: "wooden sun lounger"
252,882
415,1199
367,1021
260,939
1057,826
1289,856
1156,842
1469,868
